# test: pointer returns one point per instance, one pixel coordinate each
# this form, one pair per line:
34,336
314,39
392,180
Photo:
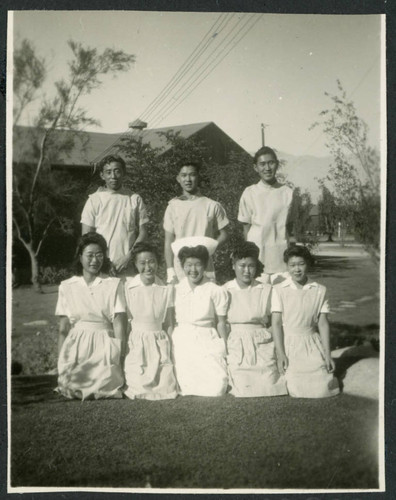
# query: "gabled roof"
89,147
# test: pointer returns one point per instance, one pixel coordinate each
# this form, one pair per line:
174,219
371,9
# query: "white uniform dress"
148,366
117,216
89,361
252,365
199,351
306,375
198,217
265,208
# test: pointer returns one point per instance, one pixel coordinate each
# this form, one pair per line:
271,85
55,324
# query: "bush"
52,276
36,352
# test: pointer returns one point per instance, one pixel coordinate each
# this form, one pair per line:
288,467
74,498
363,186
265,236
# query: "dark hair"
86,239
188,163
298,251
247,249
144,246
265,150
110,159
199,252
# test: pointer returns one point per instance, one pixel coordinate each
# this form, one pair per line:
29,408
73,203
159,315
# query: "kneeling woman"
148,366
199,339
252,364
299,312
91,333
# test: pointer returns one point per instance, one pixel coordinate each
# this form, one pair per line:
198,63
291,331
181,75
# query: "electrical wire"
187,92
205,42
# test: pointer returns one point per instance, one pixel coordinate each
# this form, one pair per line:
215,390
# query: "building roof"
89,147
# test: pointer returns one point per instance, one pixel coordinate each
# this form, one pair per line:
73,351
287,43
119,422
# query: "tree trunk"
34,269
330,237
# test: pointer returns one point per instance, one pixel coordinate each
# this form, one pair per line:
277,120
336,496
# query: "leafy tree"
299,220
328,213
41,200
347,141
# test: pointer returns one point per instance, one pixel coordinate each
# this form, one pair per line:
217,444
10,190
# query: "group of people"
260,334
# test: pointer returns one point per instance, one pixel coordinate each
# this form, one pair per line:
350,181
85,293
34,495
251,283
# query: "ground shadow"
333,264
33,389
352,356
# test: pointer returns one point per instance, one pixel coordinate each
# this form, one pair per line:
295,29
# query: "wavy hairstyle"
86,239
298,251
247,249
144,246
199,252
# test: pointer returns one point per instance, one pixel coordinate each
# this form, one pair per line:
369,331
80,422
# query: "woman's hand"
330,365
282,362
122,263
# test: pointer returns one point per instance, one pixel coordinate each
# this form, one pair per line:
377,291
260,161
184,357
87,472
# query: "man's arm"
87,229
168,252
169,257
246,228
223,235
143,234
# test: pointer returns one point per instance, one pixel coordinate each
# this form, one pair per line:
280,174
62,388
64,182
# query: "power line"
217,25
189,62
173,99
211,69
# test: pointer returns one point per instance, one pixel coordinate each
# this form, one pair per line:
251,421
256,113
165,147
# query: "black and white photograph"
196,251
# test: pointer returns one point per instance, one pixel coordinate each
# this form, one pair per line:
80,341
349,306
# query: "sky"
277,73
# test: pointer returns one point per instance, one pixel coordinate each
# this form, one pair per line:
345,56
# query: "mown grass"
195,442
191,442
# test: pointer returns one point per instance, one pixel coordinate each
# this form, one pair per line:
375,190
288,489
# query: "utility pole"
263,125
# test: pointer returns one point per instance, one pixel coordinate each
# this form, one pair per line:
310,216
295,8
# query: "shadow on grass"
352,356
34,389
333,265
346,335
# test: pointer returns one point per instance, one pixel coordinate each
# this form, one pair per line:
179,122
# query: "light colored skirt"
200,361
89,363
307,375
148,366
252,366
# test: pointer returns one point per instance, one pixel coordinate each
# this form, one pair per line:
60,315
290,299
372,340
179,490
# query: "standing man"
117,214
191,214
263,210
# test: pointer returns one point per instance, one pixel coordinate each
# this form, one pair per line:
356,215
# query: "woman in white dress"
91,333
299,310
252,364
199,339
148,366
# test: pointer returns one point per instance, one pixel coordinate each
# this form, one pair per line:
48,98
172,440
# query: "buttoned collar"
233,285
135,281
184,286
290,283
80,279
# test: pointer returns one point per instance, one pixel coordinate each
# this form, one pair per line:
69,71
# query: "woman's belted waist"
93,325
143,326
246,326
200,324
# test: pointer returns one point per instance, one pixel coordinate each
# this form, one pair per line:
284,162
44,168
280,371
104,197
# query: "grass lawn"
191,442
